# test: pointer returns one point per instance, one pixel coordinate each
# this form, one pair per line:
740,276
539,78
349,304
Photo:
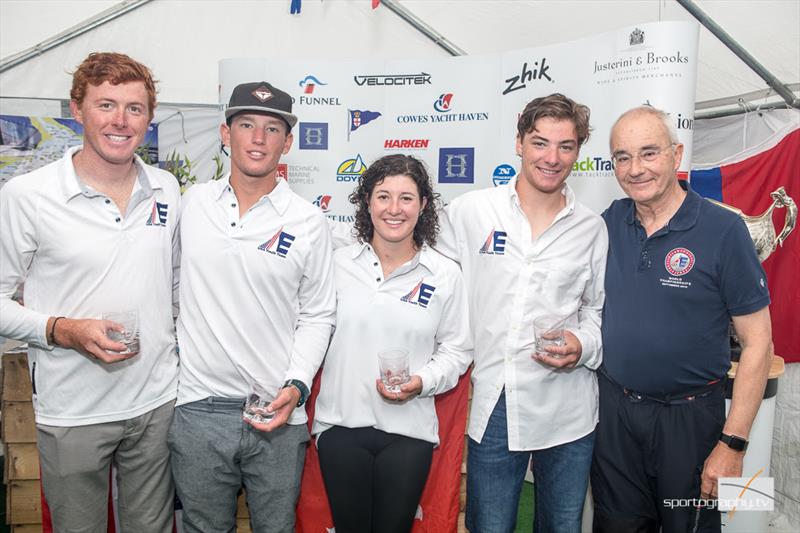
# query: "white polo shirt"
79,257
257,295
511,279
421,307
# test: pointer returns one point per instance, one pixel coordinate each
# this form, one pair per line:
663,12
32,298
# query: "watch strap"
301,387
733,442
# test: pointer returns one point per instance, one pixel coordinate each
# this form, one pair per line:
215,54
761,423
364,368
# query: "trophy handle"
790,220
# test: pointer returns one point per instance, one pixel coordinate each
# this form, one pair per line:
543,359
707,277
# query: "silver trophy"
762,231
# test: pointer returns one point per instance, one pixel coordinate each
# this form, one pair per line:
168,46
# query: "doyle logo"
502,174
443,103
388,80
278,244
313,135
420,295
406,144
495,243
283,171
521,80
323,201
158,214
679,261
456,165
309,83
350,169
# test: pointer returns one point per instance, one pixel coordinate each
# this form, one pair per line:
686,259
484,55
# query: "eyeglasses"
624,160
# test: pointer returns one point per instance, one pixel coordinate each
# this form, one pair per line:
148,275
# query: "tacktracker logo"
442,104
351,169
313,135
309,83
456,165
278,244
158,214
406,144
495,243
420,295
392,80
502,174
537,71
323,201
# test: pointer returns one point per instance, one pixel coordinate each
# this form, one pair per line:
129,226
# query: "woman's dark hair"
396,165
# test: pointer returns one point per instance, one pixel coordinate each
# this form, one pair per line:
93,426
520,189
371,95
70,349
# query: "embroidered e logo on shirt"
158,214
678,261
495,243
278,244
422,292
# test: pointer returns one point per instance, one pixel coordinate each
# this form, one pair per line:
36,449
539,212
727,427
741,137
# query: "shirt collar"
683,219
423,257
280,196
73,186
566,190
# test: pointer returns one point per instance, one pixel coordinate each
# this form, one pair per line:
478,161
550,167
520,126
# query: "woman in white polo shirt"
393,291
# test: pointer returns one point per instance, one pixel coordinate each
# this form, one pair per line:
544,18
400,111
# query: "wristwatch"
301,387
734,443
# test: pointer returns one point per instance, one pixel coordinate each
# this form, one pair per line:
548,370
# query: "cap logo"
262,93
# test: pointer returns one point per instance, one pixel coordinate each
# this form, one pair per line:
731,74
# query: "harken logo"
323,201
278,244
420,295
456,165
309,83
313,135
679,261
442,104
406,144
520,81
495,243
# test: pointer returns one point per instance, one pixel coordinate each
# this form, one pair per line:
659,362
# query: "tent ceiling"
182,40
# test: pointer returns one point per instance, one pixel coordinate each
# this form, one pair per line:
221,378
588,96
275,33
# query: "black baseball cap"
260,96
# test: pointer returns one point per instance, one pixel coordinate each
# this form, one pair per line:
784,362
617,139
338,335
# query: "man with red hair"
91,233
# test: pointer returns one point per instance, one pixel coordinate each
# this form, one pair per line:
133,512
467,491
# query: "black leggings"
374,479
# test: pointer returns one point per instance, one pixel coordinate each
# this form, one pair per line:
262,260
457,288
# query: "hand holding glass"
129,320
255,407
394,368
549,331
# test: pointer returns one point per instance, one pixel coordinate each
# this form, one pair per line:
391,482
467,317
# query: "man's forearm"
748,389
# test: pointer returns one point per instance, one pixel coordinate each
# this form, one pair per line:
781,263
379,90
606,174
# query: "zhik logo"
495,244
158,214
519,81
422,292
282,241
313,135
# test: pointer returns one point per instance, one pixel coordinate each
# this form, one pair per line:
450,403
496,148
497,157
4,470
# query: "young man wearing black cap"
257,308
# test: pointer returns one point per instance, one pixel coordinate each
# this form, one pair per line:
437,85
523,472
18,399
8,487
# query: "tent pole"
57,40
787,95
423,28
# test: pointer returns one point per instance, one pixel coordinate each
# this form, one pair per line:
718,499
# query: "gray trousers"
215,453
76,463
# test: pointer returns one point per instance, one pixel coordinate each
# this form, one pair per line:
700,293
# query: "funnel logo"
309,83
442,104
323,201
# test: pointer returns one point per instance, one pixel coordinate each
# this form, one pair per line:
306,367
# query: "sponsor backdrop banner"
459,115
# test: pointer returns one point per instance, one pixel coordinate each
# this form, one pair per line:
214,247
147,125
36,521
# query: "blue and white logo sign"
313,135
457,165
502,174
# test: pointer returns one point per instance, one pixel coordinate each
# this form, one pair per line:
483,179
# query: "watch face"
735,443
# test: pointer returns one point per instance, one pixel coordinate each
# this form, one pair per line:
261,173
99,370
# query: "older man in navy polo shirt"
679,268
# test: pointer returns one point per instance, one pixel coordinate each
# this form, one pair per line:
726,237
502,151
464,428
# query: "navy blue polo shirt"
669,297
